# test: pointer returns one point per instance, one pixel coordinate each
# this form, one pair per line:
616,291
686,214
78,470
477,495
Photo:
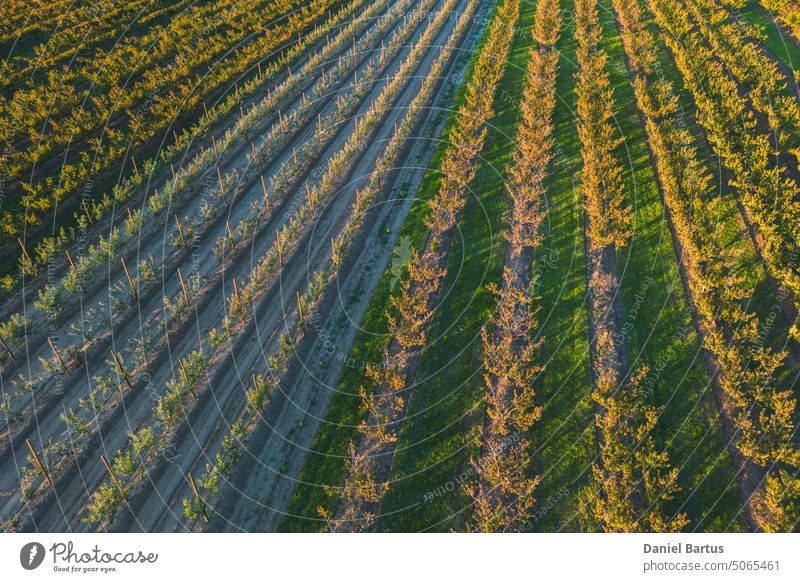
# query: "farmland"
395,266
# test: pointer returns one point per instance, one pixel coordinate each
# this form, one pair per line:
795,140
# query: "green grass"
565,435
326,464
445,409
662,336
446,405
779,43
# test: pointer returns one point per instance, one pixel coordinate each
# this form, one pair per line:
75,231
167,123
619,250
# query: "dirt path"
258,493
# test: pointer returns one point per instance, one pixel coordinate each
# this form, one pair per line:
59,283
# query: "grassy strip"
660,330
778,41
446,408
326,465
566,431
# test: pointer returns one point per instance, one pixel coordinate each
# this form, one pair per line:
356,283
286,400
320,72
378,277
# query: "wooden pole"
180,231
185,375
174,178
128,275
183,286
121,371
113,477
260,76
197,496
236,293
133,220
205,110
7,349
222,187
299,305
86,211
58,356
73,267
135,167
39,463
230,238
266,195
255,156
214,143
24,250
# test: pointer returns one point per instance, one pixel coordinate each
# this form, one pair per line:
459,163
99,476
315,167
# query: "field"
400,266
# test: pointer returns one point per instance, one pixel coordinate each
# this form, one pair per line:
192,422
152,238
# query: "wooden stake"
236,293
205,110
279,246
280,118
7,349
294,153
121,370
214,143
255,156
86,211
260,76
113,477
197,494
74,268
39,463
24,250
266,195
222,187
185,375
299,305
58,356
135,168
183,286
174,178
180,231
128,275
